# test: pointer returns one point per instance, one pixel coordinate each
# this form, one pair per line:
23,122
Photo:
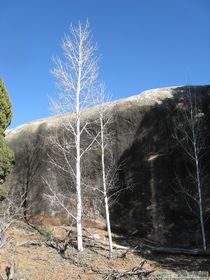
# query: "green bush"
46,232
3,193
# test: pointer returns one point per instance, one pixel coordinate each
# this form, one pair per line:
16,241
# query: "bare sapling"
11,211
76,74
104,141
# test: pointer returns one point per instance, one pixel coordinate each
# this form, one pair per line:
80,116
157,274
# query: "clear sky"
143,44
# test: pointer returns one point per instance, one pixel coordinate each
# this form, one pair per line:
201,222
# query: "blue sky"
143,44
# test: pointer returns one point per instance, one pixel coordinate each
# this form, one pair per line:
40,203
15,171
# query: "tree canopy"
6,154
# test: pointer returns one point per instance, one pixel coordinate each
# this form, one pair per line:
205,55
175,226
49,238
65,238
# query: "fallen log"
181,251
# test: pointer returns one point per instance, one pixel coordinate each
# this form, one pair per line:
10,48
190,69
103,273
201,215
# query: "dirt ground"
41,262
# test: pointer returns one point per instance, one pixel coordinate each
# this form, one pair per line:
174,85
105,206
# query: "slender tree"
76,74
189,133
104,141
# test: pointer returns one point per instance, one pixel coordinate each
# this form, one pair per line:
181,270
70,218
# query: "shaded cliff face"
151,166
161,206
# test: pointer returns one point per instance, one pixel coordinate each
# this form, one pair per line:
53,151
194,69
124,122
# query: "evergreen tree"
6,155
5,108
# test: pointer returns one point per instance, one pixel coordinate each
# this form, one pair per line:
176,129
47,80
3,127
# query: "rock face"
151,164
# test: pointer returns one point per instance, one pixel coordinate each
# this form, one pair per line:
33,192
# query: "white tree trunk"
78,189
200,204
105,188
78,157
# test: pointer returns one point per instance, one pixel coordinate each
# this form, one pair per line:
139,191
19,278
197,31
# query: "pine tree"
5,108
6,155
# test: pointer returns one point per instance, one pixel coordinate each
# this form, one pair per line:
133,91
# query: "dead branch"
114,274
137,270
10,270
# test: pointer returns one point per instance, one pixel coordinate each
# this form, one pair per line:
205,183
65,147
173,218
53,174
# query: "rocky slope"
150,162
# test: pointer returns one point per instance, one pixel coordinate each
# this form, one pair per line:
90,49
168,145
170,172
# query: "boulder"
149,165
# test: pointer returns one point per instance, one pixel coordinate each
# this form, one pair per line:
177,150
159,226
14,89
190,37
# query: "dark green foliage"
5,108
6,159
6,155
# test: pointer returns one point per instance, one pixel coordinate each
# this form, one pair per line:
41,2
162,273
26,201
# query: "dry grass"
37,262
43,263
